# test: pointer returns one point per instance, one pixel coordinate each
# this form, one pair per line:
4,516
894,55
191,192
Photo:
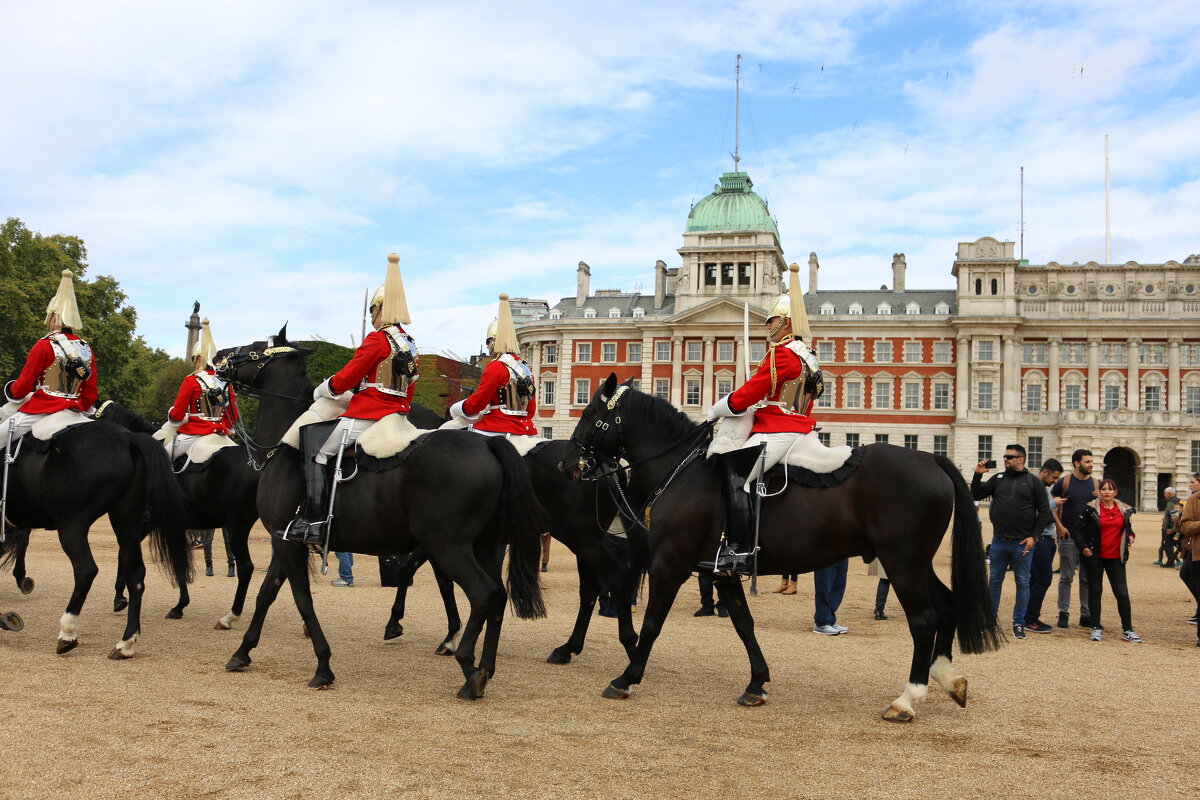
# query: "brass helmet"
390,297
205,348
502,331
791,305
63,304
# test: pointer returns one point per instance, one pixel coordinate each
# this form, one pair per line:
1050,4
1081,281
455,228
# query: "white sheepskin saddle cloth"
523,444
50,424
204,448
321,410
389,436
805,450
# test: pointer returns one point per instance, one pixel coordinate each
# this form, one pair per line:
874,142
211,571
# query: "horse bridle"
248,354
589,459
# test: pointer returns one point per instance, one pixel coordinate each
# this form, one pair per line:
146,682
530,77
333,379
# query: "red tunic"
41,356
1112,527
772,418
495,376
186,409
370,403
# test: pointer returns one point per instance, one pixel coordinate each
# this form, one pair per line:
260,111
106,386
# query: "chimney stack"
660,283
582,284
813,266
898,273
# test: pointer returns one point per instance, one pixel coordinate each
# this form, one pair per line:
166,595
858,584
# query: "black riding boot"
737,540
309,526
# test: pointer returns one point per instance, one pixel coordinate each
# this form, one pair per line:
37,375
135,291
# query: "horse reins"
239,358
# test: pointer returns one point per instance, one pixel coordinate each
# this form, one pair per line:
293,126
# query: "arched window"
995,286
978,286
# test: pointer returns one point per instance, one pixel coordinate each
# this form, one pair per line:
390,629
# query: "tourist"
1103,535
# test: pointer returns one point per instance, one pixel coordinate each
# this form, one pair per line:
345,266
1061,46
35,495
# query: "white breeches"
180,445
777,447
22,423
353,428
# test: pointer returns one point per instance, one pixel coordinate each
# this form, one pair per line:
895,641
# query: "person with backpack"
1079,488
1019,512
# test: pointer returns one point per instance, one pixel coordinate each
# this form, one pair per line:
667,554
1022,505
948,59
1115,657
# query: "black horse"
83,473
458,495
223,492
895,506
579,517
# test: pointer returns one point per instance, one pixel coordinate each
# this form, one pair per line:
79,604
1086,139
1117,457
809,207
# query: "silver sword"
337,478
8,459
759,486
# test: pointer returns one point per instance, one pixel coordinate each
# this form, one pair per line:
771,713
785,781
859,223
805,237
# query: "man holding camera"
1019,512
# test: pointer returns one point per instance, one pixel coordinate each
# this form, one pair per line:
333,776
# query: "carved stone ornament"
987,250
1166,451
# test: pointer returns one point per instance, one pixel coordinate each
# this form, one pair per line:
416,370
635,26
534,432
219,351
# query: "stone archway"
1121,464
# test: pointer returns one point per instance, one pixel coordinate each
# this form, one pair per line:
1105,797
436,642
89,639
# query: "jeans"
706,591
1068,564
1097,568
1041,574
1003,553
1166,549
830,586
345,562
1189,573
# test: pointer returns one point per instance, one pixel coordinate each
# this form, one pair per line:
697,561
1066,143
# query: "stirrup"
301,531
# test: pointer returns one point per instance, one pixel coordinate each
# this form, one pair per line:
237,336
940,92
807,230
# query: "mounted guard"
59,374
204,406
377,381
779,396
505,402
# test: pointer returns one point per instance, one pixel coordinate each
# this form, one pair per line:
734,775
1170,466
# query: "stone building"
1056,357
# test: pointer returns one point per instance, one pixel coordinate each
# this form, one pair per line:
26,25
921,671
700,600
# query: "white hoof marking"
944,673
68,627
125,646
913,694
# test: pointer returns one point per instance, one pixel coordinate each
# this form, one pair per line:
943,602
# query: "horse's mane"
661,414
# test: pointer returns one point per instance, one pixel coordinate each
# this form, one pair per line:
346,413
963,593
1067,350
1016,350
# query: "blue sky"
264,157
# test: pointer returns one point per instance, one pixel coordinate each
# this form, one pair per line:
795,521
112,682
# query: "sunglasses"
1007,457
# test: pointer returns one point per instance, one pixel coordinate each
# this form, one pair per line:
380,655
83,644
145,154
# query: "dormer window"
639,312
589,313
614,313
912,309
556,314
941,308
827,309
856,308
883,308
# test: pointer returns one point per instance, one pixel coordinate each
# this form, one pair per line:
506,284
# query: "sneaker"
1131,636
705,611
1097,634
1192,621
1038,626
1063,620
340,582
1158,563
826,630
545,567
1018,631
840,628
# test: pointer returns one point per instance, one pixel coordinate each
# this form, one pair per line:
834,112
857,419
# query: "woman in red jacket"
504,403
59,373
1103,534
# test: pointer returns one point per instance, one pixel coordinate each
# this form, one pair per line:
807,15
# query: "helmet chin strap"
775,330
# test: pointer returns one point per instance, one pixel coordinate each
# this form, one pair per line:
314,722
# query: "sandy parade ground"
1053,716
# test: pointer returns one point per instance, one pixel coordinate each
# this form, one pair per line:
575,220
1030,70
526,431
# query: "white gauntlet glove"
721,409
166,434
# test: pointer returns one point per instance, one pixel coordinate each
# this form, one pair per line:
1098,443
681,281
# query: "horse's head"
271,366
598,441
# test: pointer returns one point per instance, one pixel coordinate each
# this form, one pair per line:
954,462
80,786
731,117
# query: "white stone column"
566,389
1093,381
962,378
647,363
1010,374
1174,398
677,371
706,391
1133,400
1052,388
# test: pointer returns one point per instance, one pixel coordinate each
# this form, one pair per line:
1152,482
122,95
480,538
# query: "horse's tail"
168,507
974,618
522,521
14,545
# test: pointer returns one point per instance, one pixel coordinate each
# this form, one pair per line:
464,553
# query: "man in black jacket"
1019,512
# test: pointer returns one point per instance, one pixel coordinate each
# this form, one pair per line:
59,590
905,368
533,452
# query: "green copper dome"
732,206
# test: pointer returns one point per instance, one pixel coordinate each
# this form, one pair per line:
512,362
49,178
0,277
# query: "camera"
990,463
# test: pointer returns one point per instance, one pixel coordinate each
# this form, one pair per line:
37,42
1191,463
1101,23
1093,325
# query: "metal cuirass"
514,396
396,373
72,366
213,399
796,394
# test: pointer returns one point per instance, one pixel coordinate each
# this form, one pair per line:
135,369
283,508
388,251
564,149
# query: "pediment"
721,310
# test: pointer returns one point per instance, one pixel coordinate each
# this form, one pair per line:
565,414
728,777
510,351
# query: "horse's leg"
664,585
239,546
495,611
24,582
133,567
295,565
734,597
913,592
404,579
73,538
453,622
589,590
272,582
464,569
185,597
943,670
119,601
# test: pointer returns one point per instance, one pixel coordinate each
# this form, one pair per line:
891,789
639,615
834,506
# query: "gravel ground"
1055,716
